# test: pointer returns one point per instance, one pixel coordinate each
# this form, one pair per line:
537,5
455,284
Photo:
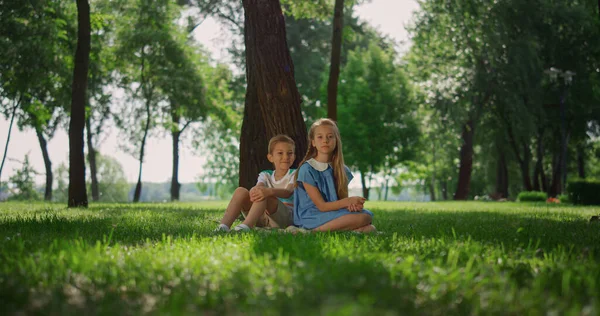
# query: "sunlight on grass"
432,258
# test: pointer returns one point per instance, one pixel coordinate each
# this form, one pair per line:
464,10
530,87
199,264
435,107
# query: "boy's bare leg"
258,209
346,222
240,201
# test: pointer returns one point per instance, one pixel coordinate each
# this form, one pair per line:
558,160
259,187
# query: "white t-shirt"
267,177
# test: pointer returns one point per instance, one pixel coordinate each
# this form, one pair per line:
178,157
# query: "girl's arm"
317,198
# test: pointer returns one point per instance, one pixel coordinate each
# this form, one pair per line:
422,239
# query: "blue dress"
306,214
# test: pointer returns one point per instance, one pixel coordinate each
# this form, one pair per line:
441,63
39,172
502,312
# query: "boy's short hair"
281,138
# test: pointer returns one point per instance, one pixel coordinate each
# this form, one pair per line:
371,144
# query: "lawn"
430,258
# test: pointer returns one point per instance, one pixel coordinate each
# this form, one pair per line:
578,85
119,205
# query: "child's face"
282,156
324,139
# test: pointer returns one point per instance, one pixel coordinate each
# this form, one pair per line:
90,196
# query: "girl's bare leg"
240,201
366,229
346,222
258,209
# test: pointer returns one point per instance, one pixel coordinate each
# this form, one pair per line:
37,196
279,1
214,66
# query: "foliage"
584,191
112,183
532,196
133,259
22,183
376,111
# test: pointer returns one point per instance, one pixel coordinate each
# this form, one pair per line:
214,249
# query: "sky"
388,16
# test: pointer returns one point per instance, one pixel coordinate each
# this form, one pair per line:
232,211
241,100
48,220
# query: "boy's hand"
258,193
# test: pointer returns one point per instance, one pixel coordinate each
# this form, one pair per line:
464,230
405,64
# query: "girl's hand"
353,200
258,194
355,207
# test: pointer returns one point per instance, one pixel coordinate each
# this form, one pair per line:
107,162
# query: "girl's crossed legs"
360,222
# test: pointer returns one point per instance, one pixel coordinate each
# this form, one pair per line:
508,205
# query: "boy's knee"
241,191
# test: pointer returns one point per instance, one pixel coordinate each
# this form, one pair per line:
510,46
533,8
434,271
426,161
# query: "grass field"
431,258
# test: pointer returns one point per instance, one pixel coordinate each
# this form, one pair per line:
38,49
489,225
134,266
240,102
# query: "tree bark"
466,162
580,161
92,160
272,100
47,164
334,68
540,164
138,187
175,135
77,189
12,119
363,181
502,175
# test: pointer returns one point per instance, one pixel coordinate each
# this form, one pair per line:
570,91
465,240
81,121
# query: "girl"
321,201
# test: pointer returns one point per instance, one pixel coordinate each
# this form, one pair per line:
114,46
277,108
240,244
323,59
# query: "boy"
269,203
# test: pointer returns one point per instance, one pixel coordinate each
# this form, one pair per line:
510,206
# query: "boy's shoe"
222,228
242,228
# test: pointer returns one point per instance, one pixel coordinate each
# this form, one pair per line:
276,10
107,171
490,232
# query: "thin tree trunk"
502,175
432,184
363,181
431,191
336,49
554,189
138,187
12,119
540,158
47,164
387,189
580,161
272,99
466,162
523,161
77,189
444,185
92,160
175,134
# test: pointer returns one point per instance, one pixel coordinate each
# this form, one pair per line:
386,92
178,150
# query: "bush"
564,198
582,191
532,196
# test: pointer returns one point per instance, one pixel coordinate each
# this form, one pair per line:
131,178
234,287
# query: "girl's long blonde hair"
337,158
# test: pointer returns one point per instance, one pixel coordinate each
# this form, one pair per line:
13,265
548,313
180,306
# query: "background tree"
77,188
376,112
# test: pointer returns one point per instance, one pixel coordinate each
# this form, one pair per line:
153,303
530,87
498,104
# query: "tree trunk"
523,160
92,160
444,185
272,100
175,134
77,189
466,162
387,189
554,189
138,187
431,191
580,161
365,189
540,162
12,119
334,68
502,175
47,164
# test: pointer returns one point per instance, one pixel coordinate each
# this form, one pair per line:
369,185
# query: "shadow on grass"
544,230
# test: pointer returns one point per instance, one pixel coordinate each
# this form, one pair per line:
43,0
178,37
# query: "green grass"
432,258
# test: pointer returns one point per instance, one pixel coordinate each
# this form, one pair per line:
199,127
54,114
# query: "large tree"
272,100
77,188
